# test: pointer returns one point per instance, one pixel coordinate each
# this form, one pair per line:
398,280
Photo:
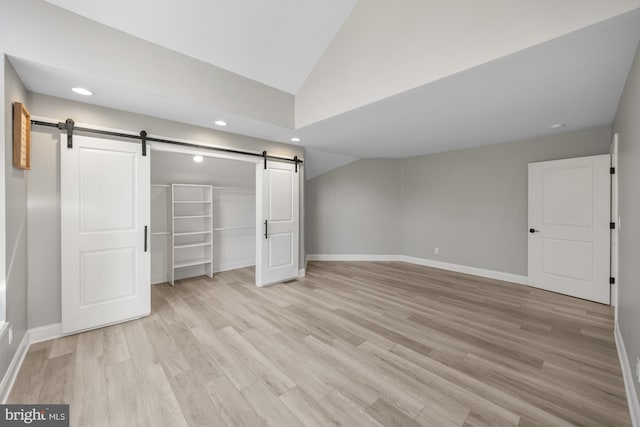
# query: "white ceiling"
275,42
576,79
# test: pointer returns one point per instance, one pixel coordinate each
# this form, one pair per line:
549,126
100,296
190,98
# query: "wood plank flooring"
352,344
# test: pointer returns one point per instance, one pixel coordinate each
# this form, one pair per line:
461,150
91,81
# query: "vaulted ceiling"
372,78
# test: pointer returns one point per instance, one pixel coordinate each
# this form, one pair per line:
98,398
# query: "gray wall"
472,204
355,209
16,225
169,168
44,191
627,125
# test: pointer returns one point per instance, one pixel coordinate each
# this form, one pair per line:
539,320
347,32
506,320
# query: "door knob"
533,230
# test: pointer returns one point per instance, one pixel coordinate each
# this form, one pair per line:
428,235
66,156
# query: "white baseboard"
301,272
491,274
233,265
348,257
159,278
197,270
14,367
627,375
31,336
45,333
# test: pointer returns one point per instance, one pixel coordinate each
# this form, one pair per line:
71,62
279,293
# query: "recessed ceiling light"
295,139
198,159
82,91
558,126
220,123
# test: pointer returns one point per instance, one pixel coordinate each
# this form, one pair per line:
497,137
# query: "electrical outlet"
436,251
638,369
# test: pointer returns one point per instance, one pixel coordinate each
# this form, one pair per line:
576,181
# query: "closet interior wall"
233,222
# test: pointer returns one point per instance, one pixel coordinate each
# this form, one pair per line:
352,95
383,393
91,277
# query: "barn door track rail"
70,127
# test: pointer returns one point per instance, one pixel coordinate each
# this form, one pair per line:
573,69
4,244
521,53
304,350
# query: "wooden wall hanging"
21,136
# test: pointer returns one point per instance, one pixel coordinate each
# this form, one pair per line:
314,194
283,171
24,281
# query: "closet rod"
68,125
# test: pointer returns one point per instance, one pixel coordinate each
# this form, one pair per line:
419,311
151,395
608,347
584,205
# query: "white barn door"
277,215
569,203
105,217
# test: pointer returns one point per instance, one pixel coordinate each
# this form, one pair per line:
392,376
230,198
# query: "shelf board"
192,263
191,216
192,201
192,233
160,233
192,245
192,185
240,227
235,188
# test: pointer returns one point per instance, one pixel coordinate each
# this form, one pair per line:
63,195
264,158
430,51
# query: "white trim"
45,333
159,278
491,274
31,336
347,257
627,375
15,248
14,367
218,268
163,278
4,328
3,206
615,217
301,272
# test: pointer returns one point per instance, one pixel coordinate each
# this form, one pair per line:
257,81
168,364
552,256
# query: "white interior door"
277,211
105,218
569,204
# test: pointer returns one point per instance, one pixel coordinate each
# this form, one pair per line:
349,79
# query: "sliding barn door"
277,211
105,218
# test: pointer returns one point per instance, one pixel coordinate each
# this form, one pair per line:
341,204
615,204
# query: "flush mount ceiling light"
220,123
558,126
82,91
295,139
198,159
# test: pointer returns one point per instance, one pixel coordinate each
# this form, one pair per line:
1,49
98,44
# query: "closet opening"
203,213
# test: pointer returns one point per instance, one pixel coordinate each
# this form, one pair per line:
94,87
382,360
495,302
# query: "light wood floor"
353,344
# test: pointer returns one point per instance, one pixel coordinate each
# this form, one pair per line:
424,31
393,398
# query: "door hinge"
612,170
612,225
143,138
612,280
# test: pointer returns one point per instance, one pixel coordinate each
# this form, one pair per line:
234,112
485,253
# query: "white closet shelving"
234,227
192,228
